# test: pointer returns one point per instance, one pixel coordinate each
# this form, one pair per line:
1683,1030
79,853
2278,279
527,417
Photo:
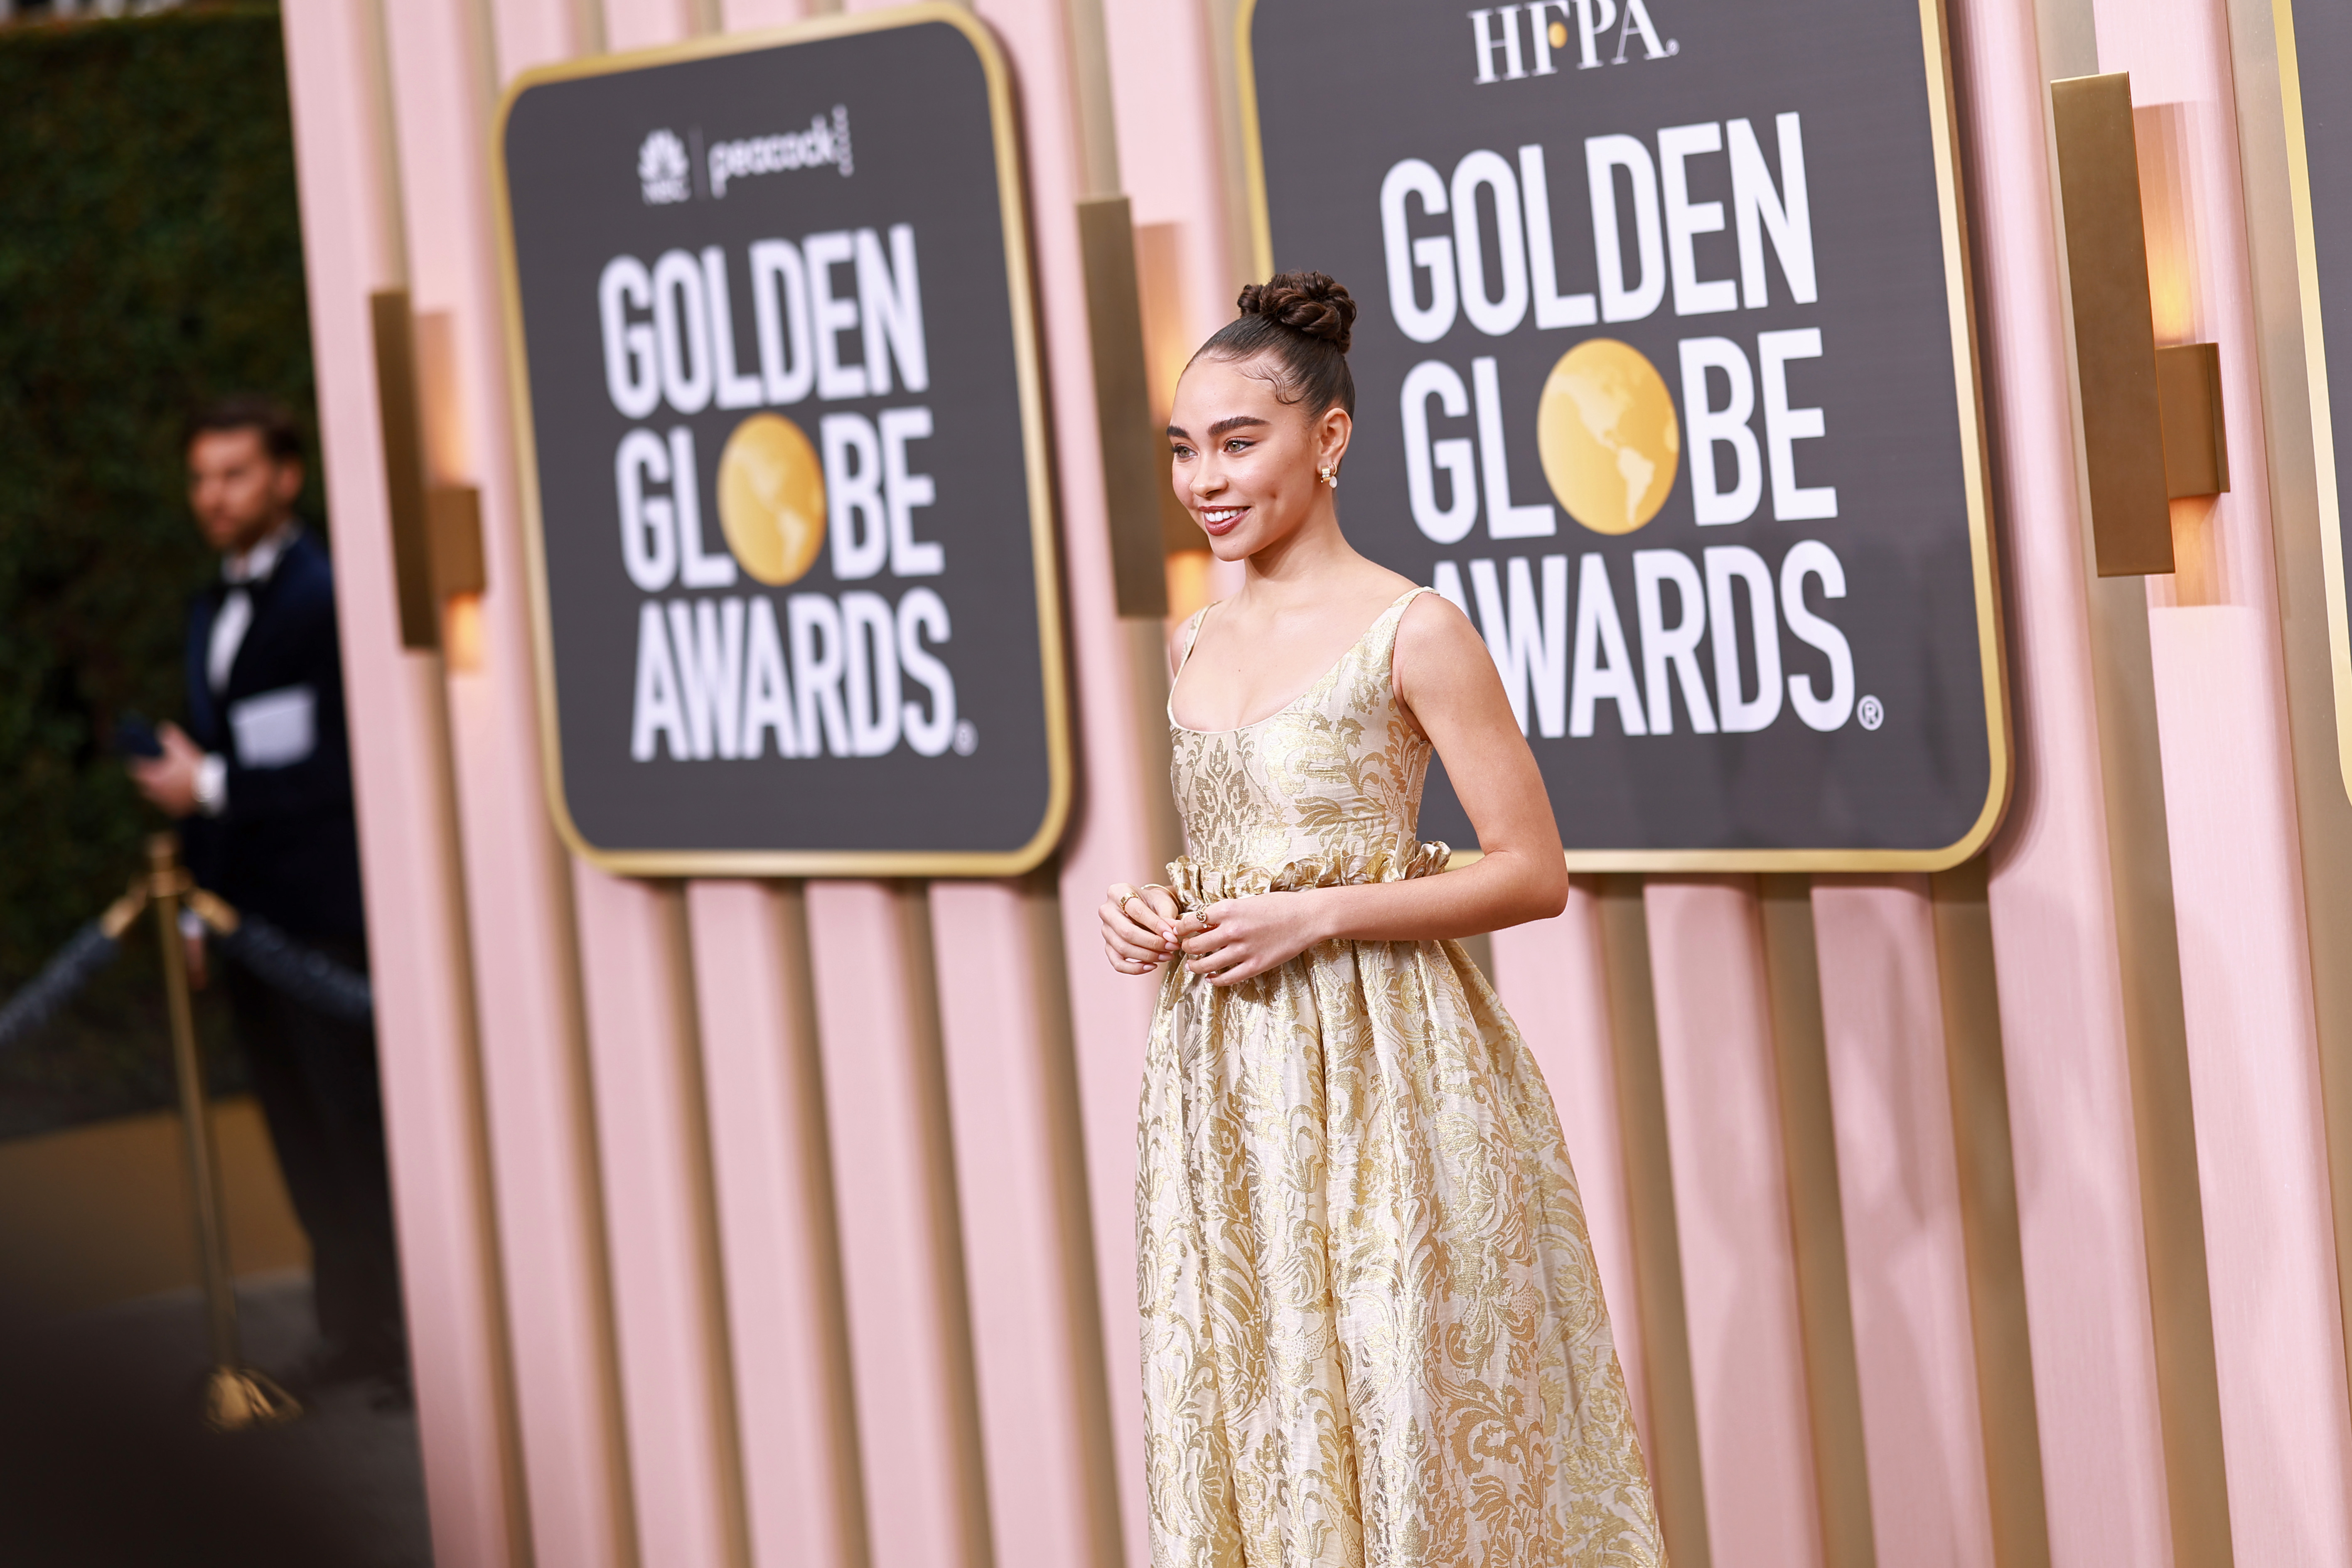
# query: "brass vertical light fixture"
1134,458
436,529
2151,416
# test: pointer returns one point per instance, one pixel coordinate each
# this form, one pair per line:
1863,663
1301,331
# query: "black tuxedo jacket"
286,847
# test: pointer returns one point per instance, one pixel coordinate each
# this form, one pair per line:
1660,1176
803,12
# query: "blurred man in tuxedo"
262,779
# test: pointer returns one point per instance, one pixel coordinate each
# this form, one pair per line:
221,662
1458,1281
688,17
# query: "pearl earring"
1328,475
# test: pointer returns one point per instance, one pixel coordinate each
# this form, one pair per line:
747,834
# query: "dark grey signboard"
2314,62
796,592
1665,376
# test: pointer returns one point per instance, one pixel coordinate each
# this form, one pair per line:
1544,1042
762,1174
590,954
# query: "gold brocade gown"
1372,1330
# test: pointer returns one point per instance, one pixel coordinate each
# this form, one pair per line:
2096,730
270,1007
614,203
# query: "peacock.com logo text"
665,169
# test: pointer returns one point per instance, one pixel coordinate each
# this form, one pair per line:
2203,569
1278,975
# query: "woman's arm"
1446,680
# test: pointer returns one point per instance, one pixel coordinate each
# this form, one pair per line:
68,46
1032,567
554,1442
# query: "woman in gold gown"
1372,1330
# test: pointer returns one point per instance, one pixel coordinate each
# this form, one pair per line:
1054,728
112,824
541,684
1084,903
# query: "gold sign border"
1013,216
2315,367
1959,296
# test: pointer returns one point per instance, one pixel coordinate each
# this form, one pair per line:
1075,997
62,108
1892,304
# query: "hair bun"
1307,302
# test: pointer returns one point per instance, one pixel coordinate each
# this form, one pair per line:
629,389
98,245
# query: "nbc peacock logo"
662,169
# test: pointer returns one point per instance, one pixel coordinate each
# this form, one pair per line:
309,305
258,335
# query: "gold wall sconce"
1134,456
436,529
2151,416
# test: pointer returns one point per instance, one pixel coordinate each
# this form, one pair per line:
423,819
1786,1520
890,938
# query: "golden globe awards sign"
2315,54
795,584
1664,376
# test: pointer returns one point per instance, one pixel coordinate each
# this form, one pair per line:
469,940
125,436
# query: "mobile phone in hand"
135,737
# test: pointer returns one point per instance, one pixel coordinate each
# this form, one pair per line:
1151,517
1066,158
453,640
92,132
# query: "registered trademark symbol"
967,738
1870,711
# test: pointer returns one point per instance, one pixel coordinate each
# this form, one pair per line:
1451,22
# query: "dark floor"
105,1461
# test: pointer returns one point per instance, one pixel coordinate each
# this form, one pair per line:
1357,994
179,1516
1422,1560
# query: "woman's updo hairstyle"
1302,319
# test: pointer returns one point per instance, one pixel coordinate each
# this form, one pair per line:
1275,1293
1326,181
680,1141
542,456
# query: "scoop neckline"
1312,686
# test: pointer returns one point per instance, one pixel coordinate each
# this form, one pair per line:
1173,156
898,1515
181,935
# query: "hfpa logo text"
1510,43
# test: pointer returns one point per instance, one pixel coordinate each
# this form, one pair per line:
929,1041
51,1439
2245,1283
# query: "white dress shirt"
229,626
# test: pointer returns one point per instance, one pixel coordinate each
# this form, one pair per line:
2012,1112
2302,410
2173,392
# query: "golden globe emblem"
772,498
1608,436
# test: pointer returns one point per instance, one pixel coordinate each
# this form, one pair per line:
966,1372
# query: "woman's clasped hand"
1141,927
1229,941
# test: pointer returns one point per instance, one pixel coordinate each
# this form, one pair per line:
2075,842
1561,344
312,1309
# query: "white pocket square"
276,728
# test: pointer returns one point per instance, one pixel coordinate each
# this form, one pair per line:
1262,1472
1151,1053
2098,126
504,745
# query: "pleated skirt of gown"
1372,1330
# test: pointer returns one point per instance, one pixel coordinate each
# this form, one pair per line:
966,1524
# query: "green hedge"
150,257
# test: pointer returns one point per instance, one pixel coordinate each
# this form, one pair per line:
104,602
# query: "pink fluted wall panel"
642,1059
2050,900
1731,1207
916,1219
2262,1153
642,24
894,1199
1898,1180
675,1392
1171,164
775,1225
2237,865
517,887
527,32
1549,975
743,15
408,829
1109,834
998,1033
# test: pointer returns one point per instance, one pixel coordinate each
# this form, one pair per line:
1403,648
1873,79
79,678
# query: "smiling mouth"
1222,518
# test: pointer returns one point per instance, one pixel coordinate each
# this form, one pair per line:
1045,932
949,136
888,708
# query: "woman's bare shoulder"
1434,622
1437,649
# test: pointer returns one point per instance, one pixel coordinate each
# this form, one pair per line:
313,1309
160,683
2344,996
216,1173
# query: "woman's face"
1244,463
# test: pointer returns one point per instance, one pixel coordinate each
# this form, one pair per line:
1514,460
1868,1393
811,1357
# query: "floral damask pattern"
1372,1331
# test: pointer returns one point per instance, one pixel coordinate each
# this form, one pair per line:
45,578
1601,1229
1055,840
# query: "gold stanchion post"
235,1396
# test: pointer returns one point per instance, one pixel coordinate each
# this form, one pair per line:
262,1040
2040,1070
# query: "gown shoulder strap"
1192,637
1392,618
1391,621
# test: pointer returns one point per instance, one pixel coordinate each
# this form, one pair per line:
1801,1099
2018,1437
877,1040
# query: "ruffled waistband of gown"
1196,887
